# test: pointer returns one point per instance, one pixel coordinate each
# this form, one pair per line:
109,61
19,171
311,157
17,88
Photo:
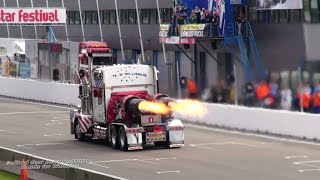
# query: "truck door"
98,98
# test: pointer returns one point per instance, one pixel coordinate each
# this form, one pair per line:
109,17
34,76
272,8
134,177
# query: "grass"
8,176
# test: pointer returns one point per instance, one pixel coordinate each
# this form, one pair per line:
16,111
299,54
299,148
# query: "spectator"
183,13
202,15
241,21
249,94
197,12
262,93
193,18
286,98
173,29
316,101
208,17
192,88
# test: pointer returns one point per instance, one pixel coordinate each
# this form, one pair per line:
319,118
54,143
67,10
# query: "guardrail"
70,173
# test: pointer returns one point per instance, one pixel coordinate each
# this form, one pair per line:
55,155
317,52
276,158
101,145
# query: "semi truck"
121,105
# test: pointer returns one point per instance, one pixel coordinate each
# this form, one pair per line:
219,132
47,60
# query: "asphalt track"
43,130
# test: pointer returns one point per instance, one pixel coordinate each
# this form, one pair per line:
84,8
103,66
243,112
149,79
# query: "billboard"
177,40
24,70
193,30
279,4
33,15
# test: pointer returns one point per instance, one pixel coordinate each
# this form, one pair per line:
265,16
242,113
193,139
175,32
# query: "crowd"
266,94
197,16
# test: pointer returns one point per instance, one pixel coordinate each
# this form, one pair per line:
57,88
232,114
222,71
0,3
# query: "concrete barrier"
9,155
40,91
277,122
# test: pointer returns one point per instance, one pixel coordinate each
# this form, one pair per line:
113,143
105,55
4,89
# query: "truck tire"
78,134
114,138
123,139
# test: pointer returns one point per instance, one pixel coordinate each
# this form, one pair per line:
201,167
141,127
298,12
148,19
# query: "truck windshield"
102,61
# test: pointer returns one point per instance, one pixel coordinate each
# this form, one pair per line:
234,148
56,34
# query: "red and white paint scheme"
110,98
85,122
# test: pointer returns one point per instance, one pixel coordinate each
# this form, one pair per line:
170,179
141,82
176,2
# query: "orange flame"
154,107
188,108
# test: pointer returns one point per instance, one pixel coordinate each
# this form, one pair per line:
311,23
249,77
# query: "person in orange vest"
263,92
192,88
304,97
316,100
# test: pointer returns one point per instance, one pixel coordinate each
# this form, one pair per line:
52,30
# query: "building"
282,37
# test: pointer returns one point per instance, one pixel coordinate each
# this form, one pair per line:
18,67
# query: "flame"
154,107
188,108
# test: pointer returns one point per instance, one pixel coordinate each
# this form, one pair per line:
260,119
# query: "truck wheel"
123,139
78,134
114,138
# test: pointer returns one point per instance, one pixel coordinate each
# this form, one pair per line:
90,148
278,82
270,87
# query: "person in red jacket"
316,102
192,88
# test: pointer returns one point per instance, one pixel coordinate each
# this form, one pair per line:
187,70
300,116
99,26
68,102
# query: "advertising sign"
33,15
177,40
279,4
164,30
24,70
193,30
13,70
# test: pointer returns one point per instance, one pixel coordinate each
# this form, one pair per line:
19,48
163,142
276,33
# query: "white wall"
279,122
40,91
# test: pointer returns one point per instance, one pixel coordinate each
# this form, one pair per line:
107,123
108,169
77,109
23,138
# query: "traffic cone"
24,173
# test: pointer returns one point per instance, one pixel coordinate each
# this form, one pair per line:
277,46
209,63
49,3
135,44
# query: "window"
283,16
113,18
124,16
144,14
71,17
153,16
94,15
88,17
105,17
77,17
132,16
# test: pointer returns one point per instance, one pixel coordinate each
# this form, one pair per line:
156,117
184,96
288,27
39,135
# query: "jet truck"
116,106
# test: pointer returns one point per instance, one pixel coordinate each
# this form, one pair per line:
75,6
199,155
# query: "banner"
177,40
24,70
13,70
193,30
279,4
164,30
33,15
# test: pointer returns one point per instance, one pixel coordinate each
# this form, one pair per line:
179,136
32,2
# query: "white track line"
33,112
291,157
305,170
99,165
34,103
162,172
84,169
46,135
1,130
